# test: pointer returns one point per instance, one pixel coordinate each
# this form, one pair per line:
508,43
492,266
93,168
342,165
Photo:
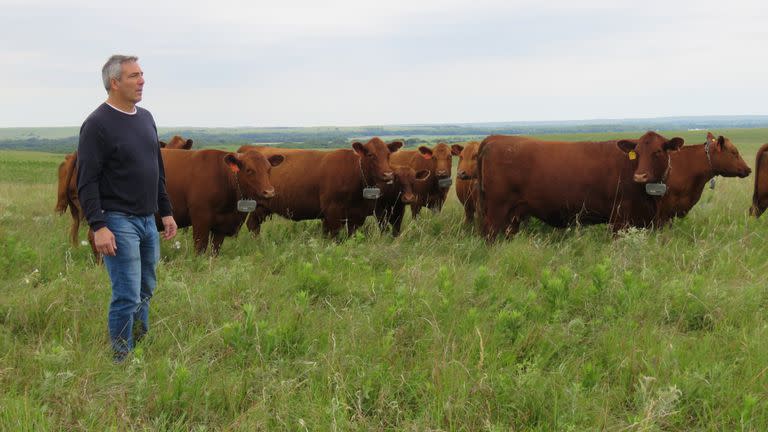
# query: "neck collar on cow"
669,168
709,158
237,185
711,168
362,173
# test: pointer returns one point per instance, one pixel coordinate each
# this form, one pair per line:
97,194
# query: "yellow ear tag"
632,155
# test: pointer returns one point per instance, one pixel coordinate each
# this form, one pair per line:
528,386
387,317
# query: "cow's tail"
65,172
74,228
755,209
72,201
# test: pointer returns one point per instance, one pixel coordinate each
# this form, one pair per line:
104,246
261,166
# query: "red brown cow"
67,190
204,187
177,142
692,167
562,182
437,160
466,179
327,185
760,196
390,207
66,196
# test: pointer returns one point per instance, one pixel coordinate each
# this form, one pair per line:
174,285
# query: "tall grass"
571,329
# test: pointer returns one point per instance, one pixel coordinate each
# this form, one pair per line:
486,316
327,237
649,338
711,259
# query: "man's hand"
104,241
169,227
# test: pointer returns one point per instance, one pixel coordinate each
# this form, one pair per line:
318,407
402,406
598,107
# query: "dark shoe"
118,357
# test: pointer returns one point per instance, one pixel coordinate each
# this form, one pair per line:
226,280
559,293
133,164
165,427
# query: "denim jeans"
132,272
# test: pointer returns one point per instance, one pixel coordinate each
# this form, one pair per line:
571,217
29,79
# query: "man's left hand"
169,227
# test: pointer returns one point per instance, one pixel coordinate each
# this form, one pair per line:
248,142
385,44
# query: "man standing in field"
121,185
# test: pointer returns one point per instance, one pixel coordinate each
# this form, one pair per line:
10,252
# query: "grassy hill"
569,330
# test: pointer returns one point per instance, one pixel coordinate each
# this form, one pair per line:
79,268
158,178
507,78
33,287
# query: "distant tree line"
337,137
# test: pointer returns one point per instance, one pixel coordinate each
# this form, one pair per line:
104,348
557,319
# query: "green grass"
553,330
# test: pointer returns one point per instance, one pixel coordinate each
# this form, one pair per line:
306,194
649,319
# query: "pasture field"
553,330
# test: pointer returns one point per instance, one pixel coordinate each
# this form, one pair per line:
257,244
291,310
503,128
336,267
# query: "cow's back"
297,182
559,182
196,181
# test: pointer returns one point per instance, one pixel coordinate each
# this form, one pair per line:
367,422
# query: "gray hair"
114,67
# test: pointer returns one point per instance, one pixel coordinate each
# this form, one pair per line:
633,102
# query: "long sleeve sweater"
120,167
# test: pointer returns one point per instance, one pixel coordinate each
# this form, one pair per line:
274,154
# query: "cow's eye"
371,155
248,171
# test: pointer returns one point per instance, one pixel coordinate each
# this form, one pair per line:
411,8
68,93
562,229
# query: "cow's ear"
395,146
674,144
162,144
456,149
426,152
422,175
233,162
720,143
626,145
188,144
359,148
276,160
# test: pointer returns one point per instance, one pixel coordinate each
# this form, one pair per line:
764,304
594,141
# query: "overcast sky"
346,63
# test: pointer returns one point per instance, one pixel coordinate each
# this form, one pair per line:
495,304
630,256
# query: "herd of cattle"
642,182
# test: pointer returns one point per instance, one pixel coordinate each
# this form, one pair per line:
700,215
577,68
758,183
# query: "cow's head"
651,152
725,158
406,177
374,159
177,142
467,168
252,169
441,155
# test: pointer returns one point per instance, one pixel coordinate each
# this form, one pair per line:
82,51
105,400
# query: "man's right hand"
104,241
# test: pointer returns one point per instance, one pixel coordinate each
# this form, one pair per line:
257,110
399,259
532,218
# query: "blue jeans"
132,272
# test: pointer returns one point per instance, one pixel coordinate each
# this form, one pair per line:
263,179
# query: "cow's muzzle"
408,198
641,178
268,193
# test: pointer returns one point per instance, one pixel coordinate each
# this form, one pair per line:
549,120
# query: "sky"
254,63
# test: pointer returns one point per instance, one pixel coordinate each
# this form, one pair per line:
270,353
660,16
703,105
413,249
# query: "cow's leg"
382,217
469,213
201,231
517,215
332,221
216,240
758,208
353,223
415,209
437,202
396,218
255,220
497,220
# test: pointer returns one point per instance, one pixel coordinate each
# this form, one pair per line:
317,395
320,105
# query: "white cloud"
235,62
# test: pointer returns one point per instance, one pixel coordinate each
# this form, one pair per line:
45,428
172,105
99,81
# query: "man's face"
131,83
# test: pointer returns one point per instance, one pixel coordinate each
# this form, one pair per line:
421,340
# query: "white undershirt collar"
135,110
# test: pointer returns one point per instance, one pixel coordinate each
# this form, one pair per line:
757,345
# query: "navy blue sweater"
120,166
